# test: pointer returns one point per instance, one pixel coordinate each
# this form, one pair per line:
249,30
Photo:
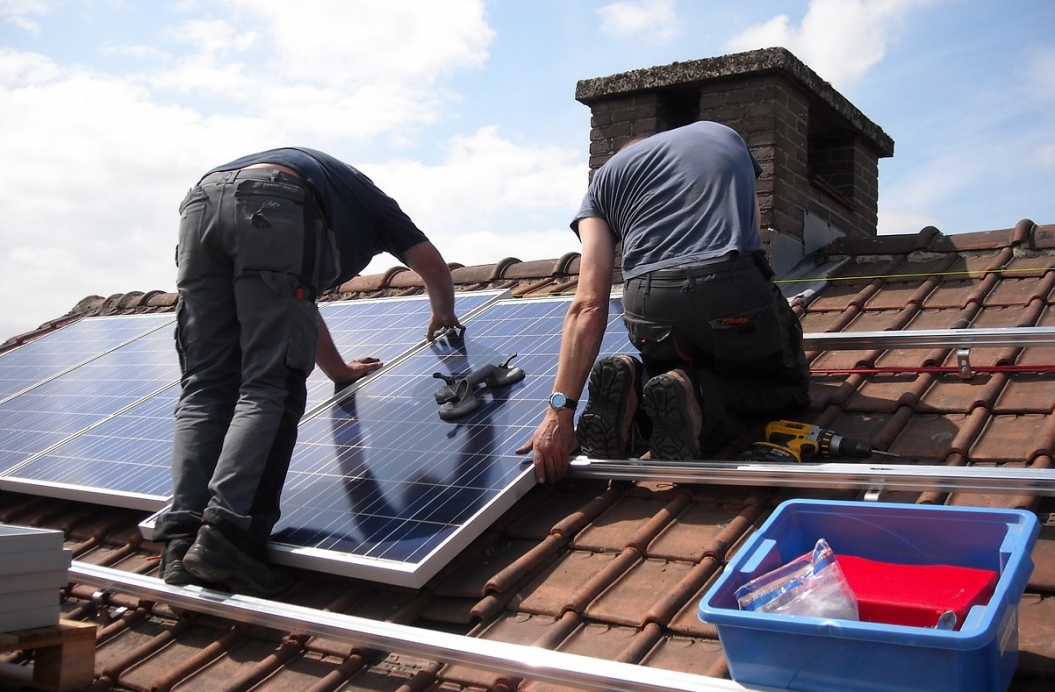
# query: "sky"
464,112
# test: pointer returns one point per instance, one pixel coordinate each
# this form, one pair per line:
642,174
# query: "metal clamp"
963,363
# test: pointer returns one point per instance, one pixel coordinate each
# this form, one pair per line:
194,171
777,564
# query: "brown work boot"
672,405
605,426
214,558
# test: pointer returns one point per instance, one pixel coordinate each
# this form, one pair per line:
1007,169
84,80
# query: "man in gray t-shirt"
717,340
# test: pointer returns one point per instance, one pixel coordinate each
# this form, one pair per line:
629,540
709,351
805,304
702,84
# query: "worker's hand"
552,444
357,369
439,322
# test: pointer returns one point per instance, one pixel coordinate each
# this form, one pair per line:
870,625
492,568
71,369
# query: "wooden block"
63,656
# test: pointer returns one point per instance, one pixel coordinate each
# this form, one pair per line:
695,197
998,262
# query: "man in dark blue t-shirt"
715,337
260,238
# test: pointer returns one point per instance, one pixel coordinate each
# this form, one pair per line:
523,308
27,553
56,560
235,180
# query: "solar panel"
125,459
381,488
53,411
58,351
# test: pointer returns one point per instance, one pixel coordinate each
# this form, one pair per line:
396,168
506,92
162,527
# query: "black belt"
741,261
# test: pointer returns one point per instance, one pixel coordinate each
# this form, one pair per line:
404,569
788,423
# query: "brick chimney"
819,154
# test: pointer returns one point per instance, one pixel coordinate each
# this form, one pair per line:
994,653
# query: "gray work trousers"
246,334
730,327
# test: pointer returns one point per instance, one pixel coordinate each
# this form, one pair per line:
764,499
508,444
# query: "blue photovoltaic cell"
384,328
50,355
381,488
45,415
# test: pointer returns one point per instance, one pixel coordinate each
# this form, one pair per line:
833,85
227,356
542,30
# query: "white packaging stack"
34,565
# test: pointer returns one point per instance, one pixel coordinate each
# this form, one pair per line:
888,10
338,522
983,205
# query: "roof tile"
629,599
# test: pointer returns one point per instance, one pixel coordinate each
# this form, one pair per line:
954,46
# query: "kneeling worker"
715,336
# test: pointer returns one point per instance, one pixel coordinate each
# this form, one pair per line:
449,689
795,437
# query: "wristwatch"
559,400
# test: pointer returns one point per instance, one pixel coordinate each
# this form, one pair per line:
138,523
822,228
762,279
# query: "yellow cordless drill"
787,440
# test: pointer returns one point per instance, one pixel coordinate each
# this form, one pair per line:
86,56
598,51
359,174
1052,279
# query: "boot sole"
666,404
600,430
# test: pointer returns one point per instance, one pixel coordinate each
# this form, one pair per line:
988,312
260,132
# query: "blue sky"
464,111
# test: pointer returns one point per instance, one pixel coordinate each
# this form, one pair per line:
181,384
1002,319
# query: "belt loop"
648,283
690,281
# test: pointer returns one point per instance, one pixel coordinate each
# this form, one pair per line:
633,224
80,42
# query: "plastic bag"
812,584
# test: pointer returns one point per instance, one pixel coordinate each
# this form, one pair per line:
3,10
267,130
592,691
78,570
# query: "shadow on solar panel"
381,487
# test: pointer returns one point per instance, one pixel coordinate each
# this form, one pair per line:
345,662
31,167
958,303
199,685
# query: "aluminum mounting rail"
509,660
863,476
930,338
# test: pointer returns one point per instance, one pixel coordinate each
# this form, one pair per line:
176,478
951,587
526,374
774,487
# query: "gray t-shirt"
679,198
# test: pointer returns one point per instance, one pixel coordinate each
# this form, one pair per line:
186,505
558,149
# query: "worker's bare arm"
584,327
426,260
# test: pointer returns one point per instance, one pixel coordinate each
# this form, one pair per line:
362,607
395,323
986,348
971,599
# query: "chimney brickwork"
819,154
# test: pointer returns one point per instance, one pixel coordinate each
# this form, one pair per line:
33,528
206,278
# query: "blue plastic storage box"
818,654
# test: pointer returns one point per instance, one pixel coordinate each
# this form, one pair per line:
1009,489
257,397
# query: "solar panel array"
379,486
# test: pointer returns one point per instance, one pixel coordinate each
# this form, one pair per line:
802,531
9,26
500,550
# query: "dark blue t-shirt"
680,198
365,221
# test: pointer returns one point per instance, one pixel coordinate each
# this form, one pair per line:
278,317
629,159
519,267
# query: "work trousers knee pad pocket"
654,339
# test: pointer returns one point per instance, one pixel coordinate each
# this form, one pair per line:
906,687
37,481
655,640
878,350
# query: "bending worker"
716,338
260,237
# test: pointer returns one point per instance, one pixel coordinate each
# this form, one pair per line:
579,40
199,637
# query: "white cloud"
326,70
19,13
654,17
99,170
838,39
489,197
370,41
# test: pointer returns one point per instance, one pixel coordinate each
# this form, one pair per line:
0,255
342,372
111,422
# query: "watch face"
558,400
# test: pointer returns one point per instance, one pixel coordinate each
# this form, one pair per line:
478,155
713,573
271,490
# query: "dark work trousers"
731,327
246,334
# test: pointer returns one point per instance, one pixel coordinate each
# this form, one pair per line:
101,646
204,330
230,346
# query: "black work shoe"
605,426
677,419
171,568
214,558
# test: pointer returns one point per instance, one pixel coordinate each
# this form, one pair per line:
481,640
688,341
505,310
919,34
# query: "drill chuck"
849,447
